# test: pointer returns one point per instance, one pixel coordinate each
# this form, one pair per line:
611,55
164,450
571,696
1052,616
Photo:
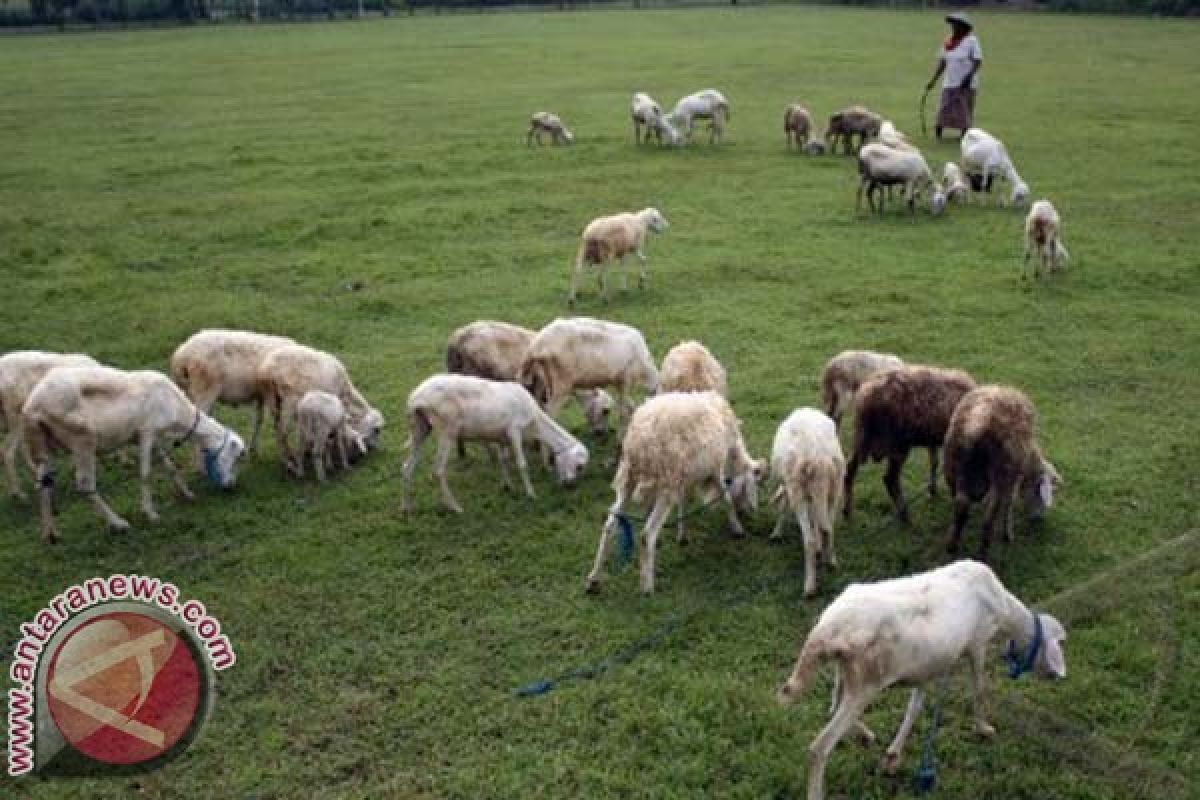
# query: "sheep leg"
318,457
501,464
643,276
866,737
848,482
285,416
145,463
624,273
576,274
662,507
602,274
862,183
780,525
978,664
933,470
84,457
518,451
419,430
592,584
891,758
735,525
1009,533
962,507
682,537
256,415
45,479
847,714
812,549
11,443
339,443
446,440
181,487
891,480
990,507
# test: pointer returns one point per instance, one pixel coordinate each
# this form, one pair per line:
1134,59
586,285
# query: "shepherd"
959,59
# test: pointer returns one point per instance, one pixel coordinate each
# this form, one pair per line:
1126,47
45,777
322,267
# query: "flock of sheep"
505,385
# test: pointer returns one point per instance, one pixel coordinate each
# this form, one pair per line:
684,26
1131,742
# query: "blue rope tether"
625,543
926,779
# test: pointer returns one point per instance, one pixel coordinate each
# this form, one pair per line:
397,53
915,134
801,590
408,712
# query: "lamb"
289,372
495,350
706,104
221,365
613,238
910,631
321,422
498,412
797,126
20,371
646,113
850,122
689,367
985,157
845,372
678,442
954,184
90,409
991,452
898,410
545,122
880,165
582,353
1042,228
807,461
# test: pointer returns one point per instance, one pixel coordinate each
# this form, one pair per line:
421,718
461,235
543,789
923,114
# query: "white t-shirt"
958,62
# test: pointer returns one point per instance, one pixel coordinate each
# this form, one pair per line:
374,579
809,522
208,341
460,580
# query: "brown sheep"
849,122
797,125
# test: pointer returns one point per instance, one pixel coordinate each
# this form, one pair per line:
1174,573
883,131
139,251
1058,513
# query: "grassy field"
365,188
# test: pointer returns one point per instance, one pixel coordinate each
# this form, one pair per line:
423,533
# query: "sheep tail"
418,421
814,652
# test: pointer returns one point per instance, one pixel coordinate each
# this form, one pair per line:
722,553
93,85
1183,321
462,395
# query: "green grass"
155,183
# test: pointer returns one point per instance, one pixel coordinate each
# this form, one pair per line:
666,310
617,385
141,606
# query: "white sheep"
845,372
690,367
91,409
583,353
20,371
955,185
677,443
646,113
321,422
289,372
706,104
797,126
545,122
893,138
880,165
1042,233
807,460
460,407
217,365
910,631
612,238
985,157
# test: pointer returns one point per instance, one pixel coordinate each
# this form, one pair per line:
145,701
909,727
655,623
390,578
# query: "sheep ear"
1055,635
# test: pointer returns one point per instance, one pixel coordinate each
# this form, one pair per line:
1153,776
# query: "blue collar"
211,464
1018,666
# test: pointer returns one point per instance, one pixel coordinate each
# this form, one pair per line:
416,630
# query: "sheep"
289,372
845,372
897,410
888,135
689,367
880,165
985,157
678,442
645,112
954,184
497,412
545,122
991,452
706,104
220,365
20,371
321,421
797,126
495,350
583,353
90,409
1042,227
910,631
613,238
807,460
849,122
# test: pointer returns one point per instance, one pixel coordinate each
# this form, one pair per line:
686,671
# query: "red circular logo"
123,688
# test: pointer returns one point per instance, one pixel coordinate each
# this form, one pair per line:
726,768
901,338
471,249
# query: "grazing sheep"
797,126
845,372
321,421
1042,228
954,184
221,365
908,632
880,165
495,350
897,410
612,238
498,412
991,452
20,371
807,461
289,372
689,367
851,122
91,409
676,443
815,147
545,122
985,157
582,353
706,104
646,113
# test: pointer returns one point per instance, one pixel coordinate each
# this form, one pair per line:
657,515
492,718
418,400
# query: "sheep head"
569,463
597,407
654,220
815,147
1020,194
1039,487
368,430
220,462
